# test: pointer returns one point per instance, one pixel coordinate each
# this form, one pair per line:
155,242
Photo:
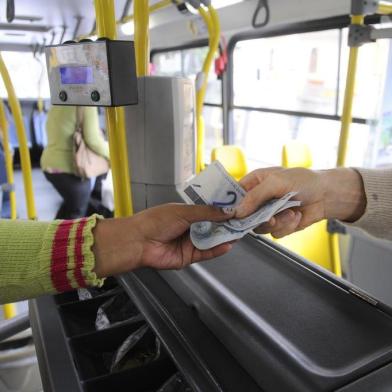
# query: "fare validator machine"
257,319
161,140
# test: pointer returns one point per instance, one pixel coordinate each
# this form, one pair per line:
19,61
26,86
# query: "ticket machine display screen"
76,75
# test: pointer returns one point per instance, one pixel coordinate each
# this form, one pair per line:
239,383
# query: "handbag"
87,162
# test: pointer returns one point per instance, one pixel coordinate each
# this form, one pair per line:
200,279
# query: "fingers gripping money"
214,186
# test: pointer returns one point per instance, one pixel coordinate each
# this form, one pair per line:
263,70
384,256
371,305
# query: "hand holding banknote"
214,186
336,193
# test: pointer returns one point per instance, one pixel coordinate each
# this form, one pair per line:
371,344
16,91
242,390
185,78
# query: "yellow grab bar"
345,133
9,311
8,159
142,37
384,9
348,97
115,122
211,19
153,8
22,139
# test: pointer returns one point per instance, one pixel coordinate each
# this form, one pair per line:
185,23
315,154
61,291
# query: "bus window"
27,74
187,63
292,87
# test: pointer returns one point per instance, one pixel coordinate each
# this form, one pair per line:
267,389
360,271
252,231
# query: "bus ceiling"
43,22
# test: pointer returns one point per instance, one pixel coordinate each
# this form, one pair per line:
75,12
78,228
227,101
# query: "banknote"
214,186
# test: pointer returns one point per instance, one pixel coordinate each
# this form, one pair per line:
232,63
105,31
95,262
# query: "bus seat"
296,154
233,160
313,242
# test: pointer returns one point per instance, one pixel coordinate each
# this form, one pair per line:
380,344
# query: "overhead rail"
115,122
22,139
129,18
153,8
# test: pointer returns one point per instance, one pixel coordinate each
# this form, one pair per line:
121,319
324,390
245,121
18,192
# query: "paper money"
214,186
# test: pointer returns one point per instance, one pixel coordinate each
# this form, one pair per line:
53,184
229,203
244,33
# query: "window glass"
188,63
168,64
295,72
263,135
28,75
370,81
213,120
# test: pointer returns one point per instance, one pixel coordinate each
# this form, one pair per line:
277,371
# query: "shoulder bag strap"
79,119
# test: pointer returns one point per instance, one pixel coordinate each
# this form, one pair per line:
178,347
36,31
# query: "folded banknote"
214,186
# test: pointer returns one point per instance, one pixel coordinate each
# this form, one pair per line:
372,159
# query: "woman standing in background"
57,160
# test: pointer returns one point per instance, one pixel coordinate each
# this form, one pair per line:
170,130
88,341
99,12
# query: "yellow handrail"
384,9
345,133
8,159
142,37
115,122
348,97
22,139
153,8
211,19
9,310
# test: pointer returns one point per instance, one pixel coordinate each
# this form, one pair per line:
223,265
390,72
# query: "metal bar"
126,9
8,158
212,22
384,9
340,47
385,33
348,98
13,326
22,139
213,105
25,27
64,29
77,26
153,8
106,27
142,37
320,116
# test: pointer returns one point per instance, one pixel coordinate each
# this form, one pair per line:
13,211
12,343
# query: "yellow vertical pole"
22,139
8,159
142,37
348,97
211,19
115,122
384,9
344,134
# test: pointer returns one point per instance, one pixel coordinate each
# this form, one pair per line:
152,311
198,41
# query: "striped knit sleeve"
42,258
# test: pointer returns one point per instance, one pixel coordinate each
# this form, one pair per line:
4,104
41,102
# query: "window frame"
334,23
203,43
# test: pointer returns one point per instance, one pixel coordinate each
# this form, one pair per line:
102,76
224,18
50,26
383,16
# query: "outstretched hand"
336,193
157,238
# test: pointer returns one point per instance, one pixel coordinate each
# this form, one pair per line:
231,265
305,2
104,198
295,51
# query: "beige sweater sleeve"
377,219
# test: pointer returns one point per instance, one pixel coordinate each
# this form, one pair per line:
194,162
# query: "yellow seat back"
296,154
313,243
233,160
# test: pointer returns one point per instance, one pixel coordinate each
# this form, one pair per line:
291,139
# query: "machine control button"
63,96
95,96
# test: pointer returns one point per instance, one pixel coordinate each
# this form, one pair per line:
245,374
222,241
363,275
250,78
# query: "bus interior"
252,84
